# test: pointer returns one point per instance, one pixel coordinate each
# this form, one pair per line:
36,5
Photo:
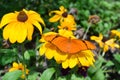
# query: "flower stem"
103,53
86,31
22,51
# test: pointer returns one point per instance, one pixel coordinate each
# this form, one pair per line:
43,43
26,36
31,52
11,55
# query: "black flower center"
22,16
65,14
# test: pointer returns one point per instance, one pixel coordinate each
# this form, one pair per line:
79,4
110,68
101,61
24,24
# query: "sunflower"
82,58
19,25
59,14
19,66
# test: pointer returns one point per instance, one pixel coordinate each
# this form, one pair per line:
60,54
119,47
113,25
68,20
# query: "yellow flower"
19,25
68,23
59,15
83,58
115,33
98,39
110,43
105,45
19,66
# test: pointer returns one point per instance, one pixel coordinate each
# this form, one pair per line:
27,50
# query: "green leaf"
117,57
97,66
109,63
14,75
27,55
31,52
8,50
75,77
62,78
99,75
33,76
47,74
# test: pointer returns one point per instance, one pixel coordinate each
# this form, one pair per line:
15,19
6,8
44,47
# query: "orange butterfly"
69,45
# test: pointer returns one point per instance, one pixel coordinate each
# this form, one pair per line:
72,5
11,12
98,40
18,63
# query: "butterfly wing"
89,45
69,45
77,46
61,43
49,38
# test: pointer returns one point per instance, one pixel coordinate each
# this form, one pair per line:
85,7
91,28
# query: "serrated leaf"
117,57
14,75
47,74
26,55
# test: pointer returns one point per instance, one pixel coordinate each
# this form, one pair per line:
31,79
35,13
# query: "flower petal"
35,16
7,18
50,53
6,31
65,64
83,61
60,56
15,65
30,30
13,33
12,69
62,9
56,12
55,18
73,61
22,29
42,49
106,47
36,24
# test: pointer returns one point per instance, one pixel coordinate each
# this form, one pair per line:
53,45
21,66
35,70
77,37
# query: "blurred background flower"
19,66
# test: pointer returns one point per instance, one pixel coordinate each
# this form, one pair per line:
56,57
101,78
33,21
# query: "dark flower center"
22,16
20,68
65,14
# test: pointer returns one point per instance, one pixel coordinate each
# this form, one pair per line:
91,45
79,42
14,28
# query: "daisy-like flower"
110,43
105,45
98,39
82,58
19,25
59,14
115,33
68,23
19,66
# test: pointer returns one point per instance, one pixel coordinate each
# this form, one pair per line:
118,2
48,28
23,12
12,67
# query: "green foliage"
33,76
47,74
14,75
117,57
7,56
27,55
43,69
99,75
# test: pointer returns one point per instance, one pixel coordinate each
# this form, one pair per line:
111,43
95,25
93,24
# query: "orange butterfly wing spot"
69,45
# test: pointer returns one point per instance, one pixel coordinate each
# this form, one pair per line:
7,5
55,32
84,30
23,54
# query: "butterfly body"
69,45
